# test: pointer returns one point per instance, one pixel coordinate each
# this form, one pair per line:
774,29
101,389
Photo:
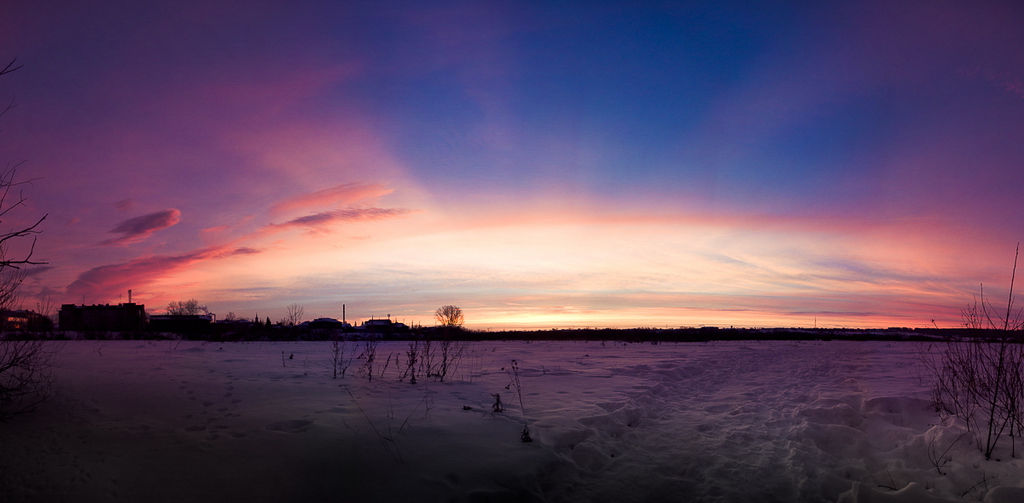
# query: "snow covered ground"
739,421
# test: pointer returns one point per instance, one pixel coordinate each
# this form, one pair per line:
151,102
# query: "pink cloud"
138,229
211,233
215,230
342,194
104,281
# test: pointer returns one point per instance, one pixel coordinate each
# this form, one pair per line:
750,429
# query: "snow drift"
738,421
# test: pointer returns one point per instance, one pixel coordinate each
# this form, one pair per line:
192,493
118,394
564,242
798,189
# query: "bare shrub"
389,441
426,357
979,376
411,358
340,359
512,369
381,369
26,374
451,356
441,358
941,459
368,356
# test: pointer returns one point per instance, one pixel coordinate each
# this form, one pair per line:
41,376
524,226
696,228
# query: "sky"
539,164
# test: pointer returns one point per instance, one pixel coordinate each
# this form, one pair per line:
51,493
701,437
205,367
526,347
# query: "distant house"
24,320
376,324
326,326
384,327
128,317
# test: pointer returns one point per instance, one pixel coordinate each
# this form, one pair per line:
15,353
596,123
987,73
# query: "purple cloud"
35,271
125,204
245,250
138,229
317,221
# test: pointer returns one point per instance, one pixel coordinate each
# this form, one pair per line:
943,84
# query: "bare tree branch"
26,366
7,69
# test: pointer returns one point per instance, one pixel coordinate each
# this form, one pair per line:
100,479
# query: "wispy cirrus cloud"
103,281
36,271
319,221
138,229
125,204
346,193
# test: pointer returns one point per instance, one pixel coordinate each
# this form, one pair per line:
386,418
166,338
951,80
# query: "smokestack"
343,313
129,296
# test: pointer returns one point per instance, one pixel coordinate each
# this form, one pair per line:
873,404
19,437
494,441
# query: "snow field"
737,421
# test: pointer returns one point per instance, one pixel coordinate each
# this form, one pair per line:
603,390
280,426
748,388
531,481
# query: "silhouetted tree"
25,365
449,316
188,307
294,315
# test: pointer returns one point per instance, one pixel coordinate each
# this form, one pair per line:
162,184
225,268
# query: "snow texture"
737,422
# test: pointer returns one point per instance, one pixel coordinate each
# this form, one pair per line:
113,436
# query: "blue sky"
575,164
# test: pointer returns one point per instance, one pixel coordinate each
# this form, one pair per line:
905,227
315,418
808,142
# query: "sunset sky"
540,164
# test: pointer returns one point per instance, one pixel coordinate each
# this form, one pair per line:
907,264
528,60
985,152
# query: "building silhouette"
128,317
